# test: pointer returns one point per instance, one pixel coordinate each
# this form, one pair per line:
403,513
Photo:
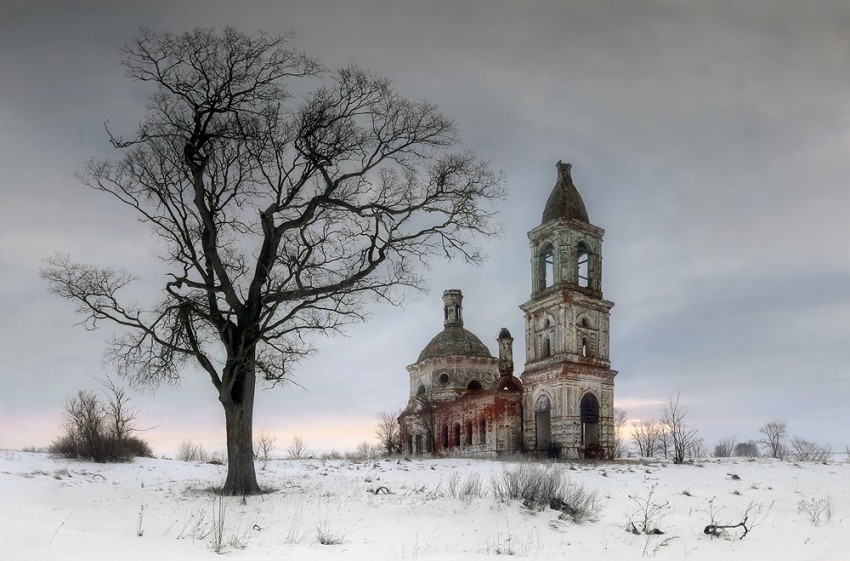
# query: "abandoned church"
465,402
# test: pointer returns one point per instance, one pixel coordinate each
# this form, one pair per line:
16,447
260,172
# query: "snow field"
322,510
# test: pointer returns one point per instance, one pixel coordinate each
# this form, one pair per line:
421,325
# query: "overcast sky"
711,140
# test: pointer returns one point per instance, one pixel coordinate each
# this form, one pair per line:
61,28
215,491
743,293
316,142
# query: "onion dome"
564,201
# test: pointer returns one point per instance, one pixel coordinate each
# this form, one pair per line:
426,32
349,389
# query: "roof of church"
454,340
564,201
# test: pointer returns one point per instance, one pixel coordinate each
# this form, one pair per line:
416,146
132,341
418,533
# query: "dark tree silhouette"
278,218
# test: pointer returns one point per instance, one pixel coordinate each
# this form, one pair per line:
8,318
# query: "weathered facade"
465,402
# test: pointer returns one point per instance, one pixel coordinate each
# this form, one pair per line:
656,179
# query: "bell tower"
568,382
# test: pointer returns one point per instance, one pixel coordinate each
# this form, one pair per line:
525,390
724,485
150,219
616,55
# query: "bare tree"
646,435
619,425
121,416
387,432
296,450
775,434
725,447
263,447
278,218
682,437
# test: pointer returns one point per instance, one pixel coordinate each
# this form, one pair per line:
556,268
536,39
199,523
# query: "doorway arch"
589,410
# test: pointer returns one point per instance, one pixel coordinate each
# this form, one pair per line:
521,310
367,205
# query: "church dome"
454,340
564,201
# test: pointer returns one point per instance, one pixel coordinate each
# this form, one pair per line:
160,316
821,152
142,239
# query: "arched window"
474,385
444,378
583,265
469,433
585,348
456,435
410,444
445,437
589,411
420,390
419,444
547,266
482,431
547,347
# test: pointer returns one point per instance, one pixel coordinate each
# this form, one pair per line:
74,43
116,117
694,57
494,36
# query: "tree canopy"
279,215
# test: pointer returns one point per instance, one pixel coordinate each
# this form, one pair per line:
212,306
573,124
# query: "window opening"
583,263
456,435
445,436
548,271
482,431
444,378
584,346
469,433
547,347
474,385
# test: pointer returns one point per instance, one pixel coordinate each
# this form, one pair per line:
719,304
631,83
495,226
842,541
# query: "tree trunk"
238,414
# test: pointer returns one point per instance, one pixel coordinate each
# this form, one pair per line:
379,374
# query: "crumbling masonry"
464,402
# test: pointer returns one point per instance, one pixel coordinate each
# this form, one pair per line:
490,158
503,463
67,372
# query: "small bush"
99,430
817,511
190,452
539,487
808,451
467,489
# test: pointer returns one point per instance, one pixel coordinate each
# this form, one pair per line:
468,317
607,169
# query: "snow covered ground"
163,509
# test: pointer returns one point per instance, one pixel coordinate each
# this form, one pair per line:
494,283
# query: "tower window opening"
584,347
469,433
482,431
445,437
456,435
547,347
420,390
583,265
474,385
548,268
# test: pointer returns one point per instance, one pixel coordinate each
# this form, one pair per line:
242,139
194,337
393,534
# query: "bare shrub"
187,451
326,536
99,428
363,452
818,511
466,489
296,450
725,447
697,449
539,487
646,435
807,451
647,512
747,449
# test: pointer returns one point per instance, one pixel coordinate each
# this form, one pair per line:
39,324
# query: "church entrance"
542,423
589,409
